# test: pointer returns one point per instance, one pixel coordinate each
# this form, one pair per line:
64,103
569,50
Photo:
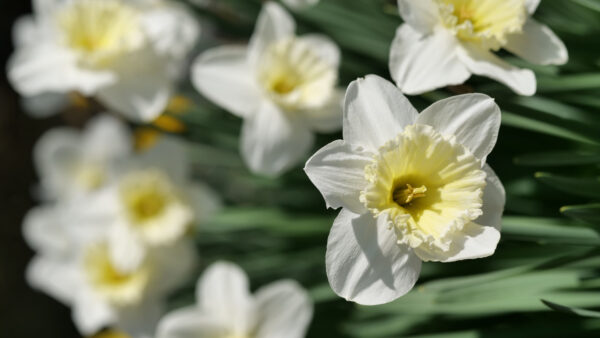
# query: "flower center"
403,195
295,76
100,30
146,195
486,22
426,185
119,287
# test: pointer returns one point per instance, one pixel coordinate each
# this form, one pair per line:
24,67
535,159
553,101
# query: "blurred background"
24,312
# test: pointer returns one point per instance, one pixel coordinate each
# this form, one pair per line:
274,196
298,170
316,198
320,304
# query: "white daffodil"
125,53
72,164
283,87
413,187
153,202
443,42
226,309
73,265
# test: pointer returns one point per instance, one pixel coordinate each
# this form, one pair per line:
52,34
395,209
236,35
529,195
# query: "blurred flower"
413,187
127,54
154,202
443,42
300,4
73,265
225,308
71,163
281,85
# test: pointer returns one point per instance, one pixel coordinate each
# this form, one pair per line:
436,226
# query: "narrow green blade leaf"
588,187
559,158
573,310
588,213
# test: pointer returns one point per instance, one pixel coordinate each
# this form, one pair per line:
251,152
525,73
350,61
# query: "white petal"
284,310
54,155
326,48
45,104
423,15
485,63
300,4
171,29
31,74
224,76
90,314
273,24
188,322
273,142
479,238
54,276
420,63
107,138
538,44
473,118
43,230
223,292
364,262
375,111
494,198
25,31
143,88
328,118
531,5
126,249
338,171
474,241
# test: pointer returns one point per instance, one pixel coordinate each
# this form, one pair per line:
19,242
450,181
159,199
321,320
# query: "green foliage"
548,156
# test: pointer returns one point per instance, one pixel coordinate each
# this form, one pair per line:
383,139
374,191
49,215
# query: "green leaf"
572,310
542,230
522,122
588,212
590,4
552,84
588,187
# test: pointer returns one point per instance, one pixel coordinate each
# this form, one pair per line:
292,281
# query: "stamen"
404,196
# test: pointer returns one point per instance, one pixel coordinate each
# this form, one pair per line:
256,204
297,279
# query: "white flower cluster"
113,225
113,234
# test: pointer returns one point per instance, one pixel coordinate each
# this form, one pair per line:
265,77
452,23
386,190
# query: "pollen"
485,22
426,185
99,30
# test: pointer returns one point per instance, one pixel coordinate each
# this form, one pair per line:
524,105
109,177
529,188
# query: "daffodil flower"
74,265
443,42
125,53
152,203
283,87
72,164
413,187
225,308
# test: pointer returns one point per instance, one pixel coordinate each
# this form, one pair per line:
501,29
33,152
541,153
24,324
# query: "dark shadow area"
24,313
